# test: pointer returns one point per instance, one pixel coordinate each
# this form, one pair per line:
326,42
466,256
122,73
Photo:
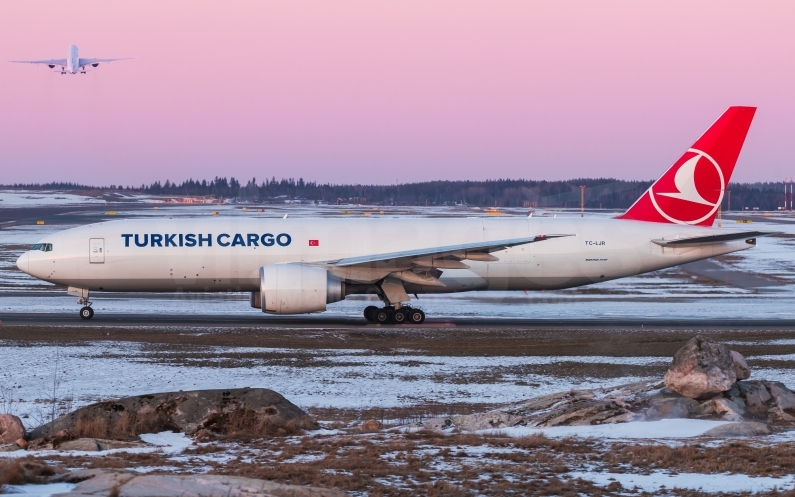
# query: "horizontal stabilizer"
703,240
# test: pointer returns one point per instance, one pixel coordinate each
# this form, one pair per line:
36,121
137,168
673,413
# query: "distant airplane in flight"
72,64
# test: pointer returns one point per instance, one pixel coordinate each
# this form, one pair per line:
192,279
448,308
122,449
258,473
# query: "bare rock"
118,444
80,444
741,369
754,392
746,429
755,396
700,369
370,425
438,424
782,395
486,420
254,411
663,407
11,429
128,484
724,408
775,414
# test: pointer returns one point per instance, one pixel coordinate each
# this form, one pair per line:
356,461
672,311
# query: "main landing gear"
391,315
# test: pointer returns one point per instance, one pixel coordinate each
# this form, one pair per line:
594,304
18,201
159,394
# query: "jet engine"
296,289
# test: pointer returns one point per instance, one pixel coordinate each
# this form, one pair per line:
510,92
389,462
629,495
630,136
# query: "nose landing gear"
86,312
391,315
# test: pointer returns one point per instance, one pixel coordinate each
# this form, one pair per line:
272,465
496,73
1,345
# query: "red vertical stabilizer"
691,191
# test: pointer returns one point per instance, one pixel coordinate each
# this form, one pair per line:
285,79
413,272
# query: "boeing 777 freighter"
72,64
295,266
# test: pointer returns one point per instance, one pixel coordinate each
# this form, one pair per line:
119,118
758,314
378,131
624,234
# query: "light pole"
582,201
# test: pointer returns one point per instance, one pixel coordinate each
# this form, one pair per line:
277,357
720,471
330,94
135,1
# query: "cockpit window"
44,247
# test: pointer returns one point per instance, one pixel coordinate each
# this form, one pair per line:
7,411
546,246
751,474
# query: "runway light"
39,222
111,213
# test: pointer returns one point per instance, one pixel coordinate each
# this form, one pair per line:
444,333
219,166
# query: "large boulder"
701,369
246,411
11,429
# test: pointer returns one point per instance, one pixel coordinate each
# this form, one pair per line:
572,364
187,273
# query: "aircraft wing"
476,251
704,240
49,62
89,62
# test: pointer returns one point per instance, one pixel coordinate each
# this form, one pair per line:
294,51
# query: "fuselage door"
96,250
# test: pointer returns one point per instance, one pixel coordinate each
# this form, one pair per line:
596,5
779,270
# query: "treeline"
606,193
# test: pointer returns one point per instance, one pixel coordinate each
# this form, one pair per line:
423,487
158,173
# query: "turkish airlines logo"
691,191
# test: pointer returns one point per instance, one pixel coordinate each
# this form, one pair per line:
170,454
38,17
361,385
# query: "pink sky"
375,92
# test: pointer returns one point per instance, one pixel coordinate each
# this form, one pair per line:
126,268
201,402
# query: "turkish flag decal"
314,243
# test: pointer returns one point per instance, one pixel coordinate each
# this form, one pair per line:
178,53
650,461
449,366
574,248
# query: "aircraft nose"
22,262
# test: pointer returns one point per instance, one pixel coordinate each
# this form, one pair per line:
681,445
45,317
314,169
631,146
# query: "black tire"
383,316
369,313
416,316
400,317
86,312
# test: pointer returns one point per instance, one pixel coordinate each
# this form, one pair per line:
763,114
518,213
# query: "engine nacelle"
296,289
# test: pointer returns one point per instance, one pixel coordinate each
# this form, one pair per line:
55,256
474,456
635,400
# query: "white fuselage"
205,255
72,60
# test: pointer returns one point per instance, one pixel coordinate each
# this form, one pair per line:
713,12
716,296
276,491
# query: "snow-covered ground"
658,480
333,378
21,198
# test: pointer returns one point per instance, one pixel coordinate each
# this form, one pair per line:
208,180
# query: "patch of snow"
170,442
43,490
666,428
23,198
691,481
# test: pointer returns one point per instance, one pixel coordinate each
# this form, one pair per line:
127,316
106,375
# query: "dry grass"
245,424
738,457
22,471
98,424
434,464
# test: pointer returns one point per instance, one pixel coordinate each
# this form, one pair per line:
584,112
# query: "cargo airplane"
72,64
296,266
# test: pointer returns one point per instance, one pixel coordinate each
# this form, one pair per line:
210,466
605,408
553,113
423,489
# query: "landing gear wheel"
383,316
86,312
416,316
399,317
369,313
